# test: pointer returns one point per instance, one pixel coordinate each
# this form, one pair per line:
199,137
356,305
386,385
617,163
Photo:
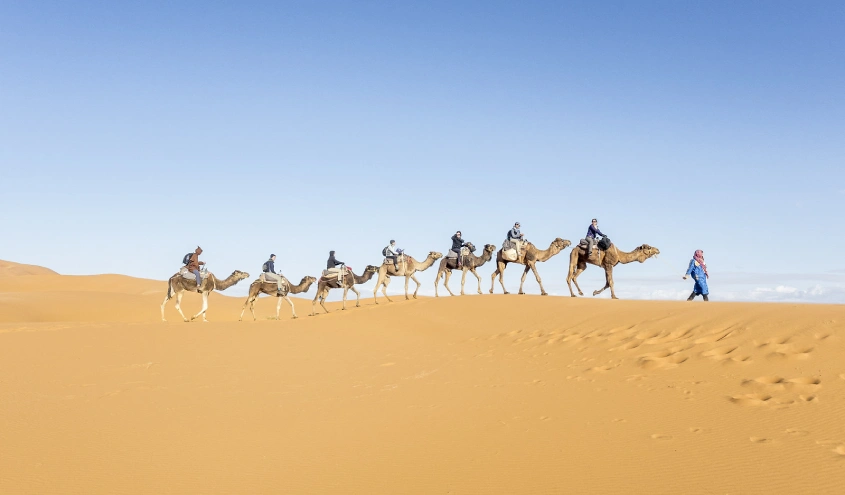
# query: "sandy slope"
489,394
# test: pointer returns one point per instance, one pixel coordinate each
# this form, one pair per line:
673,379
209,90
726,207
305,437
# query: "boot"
705,297
691,297
396,267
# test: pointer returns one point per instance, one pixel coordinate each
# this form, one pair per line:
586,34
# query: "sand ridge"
482,394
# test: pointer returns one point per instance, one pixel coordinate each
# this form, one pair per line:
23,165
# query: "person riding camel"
457,244
332,262
194,267
270,274
592,232
516,238
698,270
392,253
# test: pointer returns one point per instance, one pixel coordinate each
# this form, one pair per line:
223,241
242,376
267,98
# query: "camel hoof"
614,297
480,292
544,293
506,292
294,317
580,293
573,295
520,292
491,291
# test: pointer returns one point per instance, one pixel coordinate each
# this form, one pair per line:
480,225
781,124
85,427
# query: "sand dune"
489,394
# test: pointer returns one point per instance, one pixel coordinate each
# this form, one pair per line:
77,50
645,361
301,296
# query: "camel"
606,259
528,256
271,289
349,282
471,263
178,284
407,268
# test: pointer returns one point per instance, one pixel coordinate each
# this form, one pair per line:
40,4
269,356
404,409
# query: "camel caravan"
595,249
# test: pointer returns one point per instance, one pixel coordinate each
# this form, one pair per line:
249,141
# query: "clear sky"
130,132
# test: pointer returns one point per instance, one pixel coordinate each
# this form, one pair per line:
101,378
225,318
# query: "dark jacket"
332,262
514,233
457,243
271,267
195,263
594,231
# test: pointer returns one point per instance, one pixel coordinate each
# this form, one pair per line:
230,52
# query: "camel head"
434,255
646,252
371,268
560,244
308,280
489,248
239,275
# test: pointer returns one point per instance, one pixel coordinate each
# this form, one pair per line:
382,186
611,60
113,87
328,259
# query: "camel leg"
493,280
179,305
608,284
500,271
279,305
477,277
384,285
463,280
437,282
522,280
408,280
345,291
248,301
357,296
448,275
414,278
539,280
292,309
573,278
204,308
166,298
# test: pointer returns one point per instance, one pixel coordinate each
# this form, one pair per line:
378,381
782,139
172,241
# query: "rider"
270,274
515,235
194,267
457,244
592,232
332,262
392,253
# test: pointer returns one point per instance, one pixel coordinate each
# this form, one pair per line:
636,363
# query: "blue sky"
133,132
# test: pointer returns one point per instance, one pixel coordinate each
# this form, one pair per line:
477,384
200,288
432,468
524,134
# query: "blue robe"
697,272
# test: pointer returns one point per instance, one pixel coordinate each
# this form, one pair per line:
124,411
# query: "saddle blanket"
263,279
186,274
453,255
509,254
399,259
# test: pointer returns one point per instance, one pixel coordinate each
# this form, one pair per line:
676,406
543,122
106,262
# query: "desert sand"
455,395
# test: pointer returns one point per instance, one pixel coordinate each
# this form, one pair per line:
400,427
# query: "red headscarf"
699,258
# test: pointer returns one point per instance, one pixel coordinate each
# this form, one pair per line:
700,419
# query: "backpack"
384,251
604,243
265,268
186,260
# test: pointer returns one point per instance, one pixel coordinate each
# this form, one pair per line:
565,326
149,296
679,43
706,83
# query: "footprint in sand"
696,429
715,337
661,436
791,354
760,440
797,433
719,353
750,399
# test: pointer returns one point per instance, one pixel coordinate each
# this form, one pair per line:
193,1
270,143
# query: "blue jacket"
514,233
457,243
271,268
594,231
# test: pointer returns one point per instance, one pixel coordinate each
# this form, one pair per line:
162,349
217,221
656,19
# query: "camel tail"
169,290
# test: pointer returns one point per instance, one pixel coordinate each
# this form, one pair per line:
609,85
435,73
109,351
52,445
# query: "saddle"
263,279
453,255
334,273
190,276
603,244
